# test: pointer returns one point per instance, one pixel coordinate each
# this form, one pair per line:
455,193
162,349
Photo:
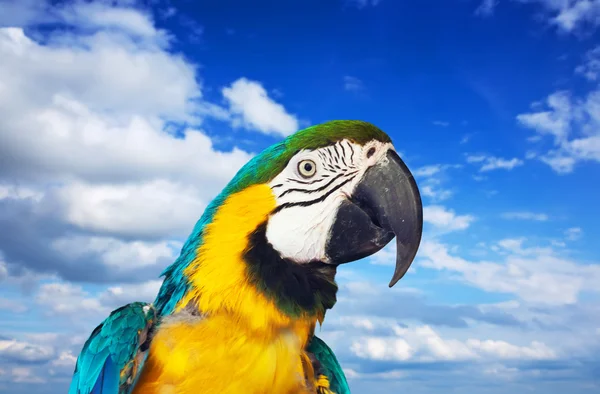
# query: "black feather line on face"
327,155
305,182
319,189
343,158
295,288
343,150
311,202
337,154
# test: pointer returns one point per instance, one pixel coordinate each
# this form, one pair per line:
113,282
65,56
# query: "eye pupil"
307,168
370,152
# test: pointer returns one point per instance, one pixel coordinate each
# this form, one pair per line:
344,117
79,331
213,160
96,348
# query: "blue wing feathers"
103,366
108,381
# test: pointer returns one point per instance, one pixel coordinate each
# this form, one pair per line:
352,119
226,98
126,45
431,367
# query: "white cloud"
353,84
25,375
429,170
116,296
432,179
64,360
23,13
569,15
154,208
14,192
495,163
501,371
78,118
476,158
99,15
394,374
446,219
23,278
23,351
435,347
559,163
436,194
505,350
67,139
590,69
68,299
42,337
566,15
10,305
374,348
539,217
516,246
360,4
150,81
536,275
555,121
574,124
573,233
486,8
117,253
91,16
466,138
440,123
251,106
424,344
490,163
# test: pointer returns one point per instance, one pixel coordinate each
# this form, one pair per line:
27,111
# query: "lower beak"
385,203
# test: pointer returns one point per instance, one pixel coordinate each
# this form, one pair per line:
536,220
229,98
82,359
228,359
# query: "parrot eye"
307,168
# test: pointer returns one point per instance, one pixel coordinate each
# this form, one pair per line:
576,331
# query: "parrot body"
237,310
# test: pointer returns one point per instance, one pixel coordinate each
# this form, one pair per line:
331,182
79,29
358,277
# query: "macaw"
237,310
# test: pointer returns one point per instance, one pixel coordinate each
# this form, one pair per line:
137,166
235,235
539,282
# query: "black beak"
386,203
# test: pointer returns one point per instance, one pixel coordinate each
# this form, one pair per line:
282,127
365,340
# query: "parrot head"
325,196
344,197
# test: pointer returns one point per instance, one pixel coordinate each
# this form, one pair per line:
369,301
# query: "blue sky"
119,121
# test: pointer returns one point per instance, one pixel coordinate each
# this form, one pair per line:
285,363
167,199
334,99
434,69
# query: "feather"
330,365
110,358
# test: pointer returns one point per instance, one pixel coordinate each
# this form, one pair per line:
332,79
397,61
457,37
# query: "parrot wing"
329,365
114,354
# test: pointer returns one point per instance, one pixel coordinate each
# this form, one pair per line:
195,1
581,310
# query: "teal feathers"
112,357
329,365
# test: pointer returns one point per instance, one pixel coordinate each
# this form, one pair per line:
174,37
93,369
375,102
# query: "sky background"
119,121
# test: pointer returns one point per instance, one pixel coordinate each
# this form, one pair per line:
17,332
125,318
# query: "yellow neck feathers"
219,276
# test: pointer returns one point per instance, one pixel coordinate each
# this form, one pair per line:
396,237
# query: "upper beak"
385,203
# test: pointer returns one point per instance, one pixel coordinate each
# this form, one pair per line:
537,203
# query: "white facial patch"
308,198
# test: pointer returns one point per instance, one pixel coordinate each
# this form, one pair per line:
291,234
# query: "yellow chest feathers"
214,355
246,344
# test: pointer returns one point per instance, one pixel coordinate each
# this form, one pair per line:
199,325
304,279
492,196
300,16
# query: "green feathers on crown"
265,166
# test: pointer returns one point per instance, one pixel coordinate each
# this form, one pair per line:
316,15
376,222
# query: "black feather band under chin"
295,288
